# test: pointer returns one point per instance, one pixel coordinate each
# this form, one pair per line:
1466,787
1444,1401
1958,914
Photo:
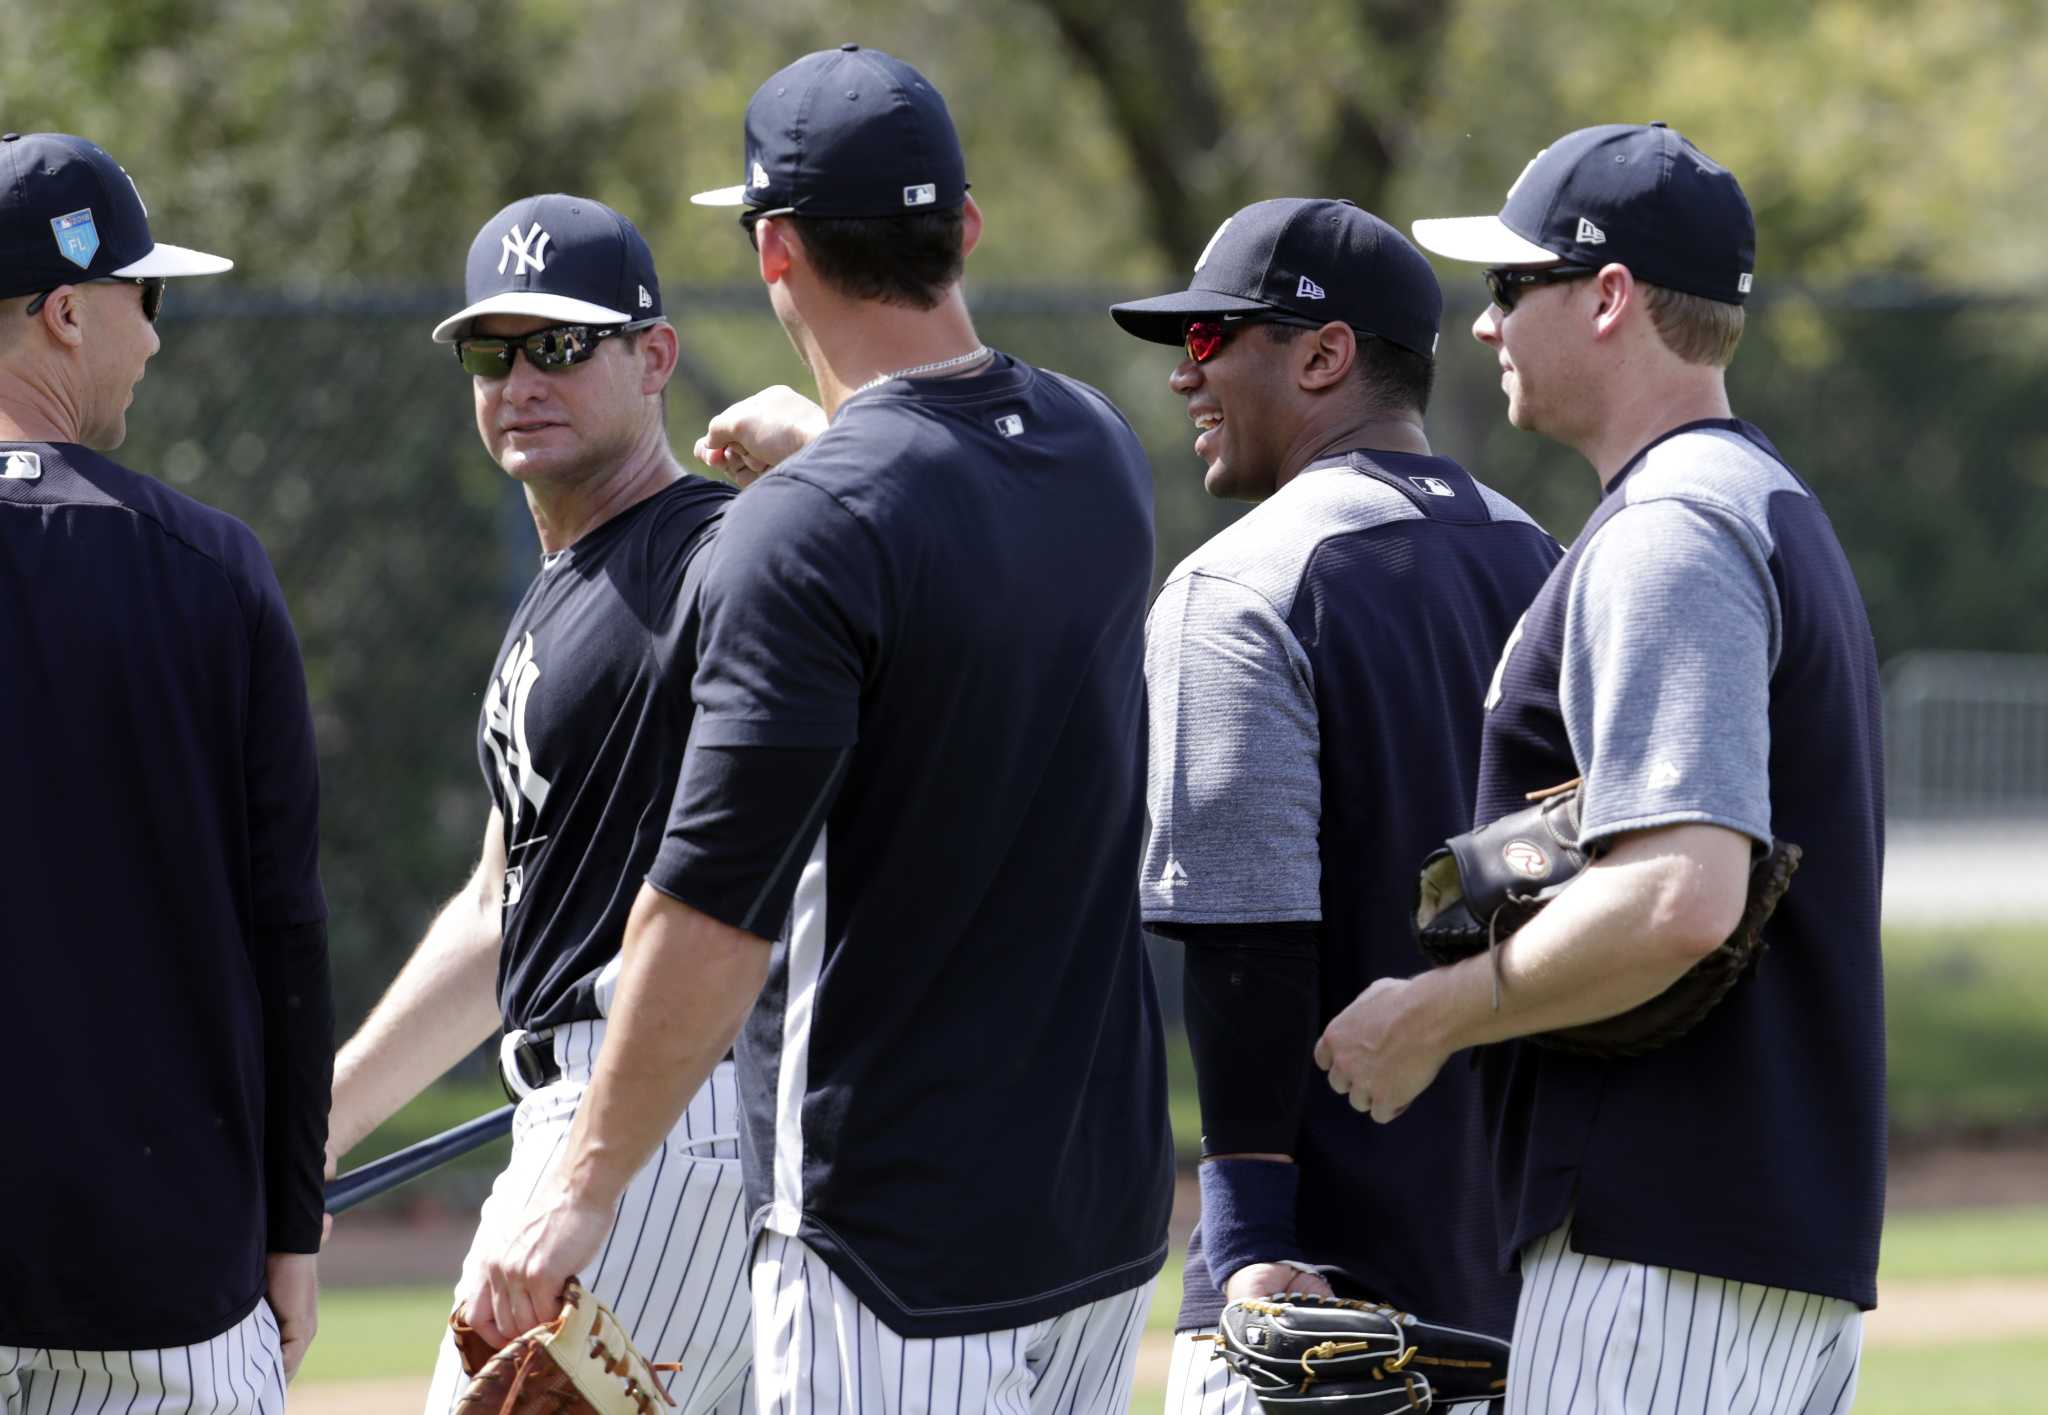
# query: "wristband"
1248,1215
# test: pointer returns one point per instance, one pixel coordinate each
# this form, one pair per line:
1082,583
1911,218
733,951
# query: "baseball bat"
368,1181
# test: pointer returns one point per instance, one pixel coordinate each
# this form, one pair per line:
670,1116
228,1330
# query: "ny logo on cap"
1589,234
1308,290
529,249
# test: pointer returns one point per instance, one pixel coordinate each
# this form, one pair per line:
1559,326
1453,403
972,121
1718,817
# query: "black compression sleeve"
298,1067
1250,995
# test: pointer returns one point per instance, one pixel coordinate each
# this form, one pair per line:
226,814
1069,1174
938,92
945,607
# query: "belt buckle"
528,1057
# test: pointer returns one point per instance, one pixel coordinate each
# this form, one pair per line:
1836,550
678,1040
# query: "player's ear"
63,316
1323,357
970,228
658,351
1619,297
779,247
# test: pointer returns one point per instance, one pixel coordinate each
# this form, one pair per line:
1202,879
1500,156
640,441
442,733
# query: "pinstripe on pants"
817,1348
674,1269
239,1372
1616,1338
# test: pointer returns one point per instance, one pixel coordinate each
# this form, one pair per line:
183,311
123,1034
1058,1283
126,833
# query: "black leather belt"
534,1059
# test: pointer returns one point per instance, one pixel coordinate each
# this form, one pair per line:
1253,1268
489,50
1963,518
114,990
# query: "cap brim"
560,308
722,196
1163,318
1483,240
166,261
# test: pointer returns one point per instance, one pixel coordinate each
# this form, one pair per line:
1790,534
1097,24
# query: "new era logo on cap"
1308,290
1590,235
760,177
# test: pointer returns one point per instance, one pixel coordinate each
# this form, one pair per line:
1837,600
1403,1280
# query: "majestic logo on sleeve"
505,733
530,249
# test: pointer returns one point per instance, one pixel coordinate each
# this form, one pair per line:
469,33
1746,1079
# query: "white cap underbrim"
539,304
1483,240
166,261
722,196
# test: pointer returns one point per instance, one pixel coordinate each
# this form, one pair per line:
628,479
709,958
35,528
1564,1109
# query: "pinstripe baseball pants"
817,1348
1598,1335
239,1372
674,1270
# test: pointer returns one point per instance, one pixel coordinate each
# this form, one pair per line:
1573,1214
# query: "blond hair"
1697,329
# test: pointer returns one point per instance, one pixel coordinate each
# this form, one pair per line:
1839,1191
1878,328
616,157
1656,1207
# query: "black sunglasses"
1204,338
754,213
152,293
550,350
1507,283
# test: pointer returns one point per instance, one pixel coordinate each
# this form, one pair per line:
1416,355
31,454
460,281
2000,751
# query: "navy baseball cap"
69,213
561,258
1638,195
848,132
1320,259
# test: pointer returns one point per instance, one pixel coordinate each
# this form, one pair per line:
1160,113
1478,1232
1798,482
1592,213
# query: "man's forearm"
686,983
1626,930
442,1005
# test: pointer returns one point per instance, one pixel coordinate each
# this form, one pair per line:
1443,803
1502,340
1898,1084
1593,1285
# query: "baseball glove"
581,1363
1486,883
1331,1353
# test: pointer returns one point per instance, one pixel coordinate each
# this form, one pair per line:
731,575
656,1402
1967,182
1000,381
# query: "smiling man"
581,738
1697,1226
1315,675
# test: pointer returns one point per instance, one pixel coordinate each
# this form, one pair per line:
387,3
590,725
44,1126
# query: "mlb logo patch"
1010,425
1433,486
22,466
1743,282
78,240
924,194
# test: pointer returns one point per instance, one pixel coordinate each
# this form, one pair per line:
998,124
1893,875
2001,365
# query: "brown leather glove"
581,1363
1486,883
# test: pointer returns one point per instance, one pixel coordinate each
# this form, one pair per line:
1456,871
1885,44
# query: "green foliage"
1967,1047
1966,1378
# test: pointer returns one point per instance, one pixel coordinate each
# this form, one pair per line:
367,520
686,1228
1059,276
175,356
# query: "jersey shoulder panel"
1268,549
1718,468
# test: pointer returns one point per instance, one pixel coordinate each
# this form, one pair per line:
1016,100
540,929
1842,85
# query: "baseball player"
1697,1227
166,931
580,739
1315,674
905,825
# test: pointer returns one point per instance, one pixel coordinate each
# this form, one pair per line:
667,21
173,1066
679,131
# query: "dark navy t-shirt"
919,765
581,731
1316,675
1702,656
163,919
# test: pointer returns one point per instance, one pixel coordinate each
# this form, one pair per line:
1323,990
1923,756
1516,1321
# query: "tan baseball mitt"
581,1363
